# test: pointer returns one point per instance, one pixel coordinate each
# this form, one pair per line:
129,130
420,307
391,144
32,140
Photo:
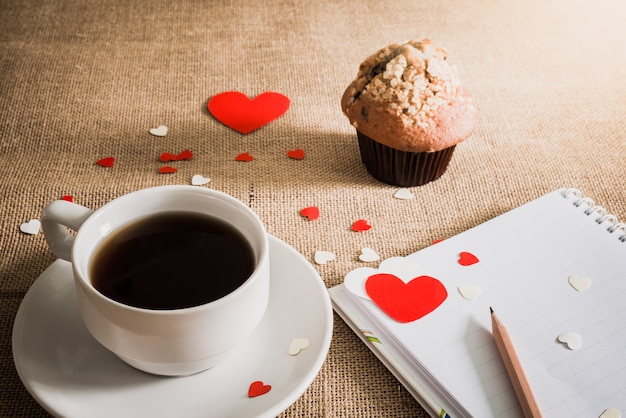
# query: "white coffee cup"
173,342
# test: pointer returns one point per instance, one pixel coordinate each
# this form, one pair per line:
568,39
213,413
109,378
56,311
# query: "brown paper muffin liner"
402,168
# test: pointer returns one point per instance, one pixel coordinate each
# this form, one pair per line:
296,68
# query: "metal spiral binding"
590,208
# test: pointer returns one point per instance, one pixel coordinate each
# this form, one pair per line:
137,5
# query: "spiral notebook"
553,269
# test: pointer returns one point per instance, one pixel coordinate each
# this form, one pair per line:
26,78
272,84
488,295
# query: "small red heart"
184,155
167,169
237,111
405,302
467,259
361,225
168,156
312,212
244,156
296,154
106,162
437,241
258,388
67,198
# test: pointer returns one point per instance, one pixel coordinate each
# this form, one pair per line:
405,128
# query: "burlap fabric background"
82,80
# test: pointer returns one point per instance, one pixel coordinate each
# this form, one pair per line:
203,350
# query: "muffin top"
408,97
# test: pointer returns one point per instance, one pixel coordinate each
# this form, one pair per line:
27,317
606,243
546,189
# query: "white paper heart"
159,131
402,267
470,291
573,340
611,413
297,345
199,180
580,283
355,281
323,257
31,227
368,255
404,194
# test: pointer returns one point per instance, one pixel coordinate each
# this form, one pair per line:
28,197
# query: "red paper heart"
405,302
467,259
239,112
168,156
258,388
106,162
167,169
312,212
361,225
244,156
185,155
296,154
68,198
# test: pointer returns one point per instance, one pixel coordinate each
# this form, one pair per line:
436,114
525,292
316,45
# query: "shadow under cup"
172,342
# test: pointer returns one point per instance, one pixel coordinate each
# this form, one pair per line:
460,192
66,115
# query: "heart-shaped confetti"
402,267
185,155
199,180
106,162
258,388
368,255
167,170
323,257
31,227
159,130
403,194
611,413
67,198
361,225
467,259
573,340
297,345
469,291
296,154
355,280
312,213
168,156
405,302
237,111
244,156
580,283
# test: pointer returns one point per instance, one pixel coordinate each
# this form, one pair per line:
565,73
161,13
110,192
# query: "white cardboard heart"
470,291
323,257
403,194
159,131
199,180
573,340
355,281
580,283
368,255
401,267
31,227
611,413
297,345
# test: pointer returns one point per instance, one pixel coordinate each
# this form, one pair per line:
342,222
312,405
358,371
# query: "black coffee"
171,261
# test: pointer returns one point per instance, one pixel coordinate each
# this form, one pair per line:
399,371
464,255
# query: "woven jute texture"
83,80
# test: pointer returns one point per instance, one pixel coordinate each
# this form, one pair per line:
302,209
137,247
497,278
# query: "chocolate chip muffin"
410,111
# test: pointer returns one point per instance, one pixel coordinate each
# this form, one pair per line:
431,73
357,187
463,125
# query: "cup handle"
56,218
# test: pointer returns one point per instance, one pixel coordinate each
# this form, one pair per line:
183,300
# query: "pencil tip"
491,309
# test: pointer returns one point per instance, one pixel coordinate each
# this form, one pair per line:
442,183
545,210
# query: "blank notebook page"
525,259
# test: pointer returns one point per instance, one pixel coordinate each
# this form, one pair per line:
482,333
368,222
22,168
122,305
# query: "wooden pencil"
514,368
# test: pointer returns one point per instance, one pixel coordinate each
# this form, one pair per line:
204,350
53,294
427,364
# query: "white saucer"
71,375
